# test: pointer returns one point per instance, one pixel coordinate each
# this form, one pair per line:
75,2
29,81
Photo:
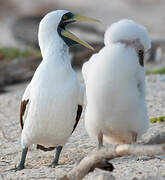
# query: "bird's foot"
19,168
53,164
55,161
134,136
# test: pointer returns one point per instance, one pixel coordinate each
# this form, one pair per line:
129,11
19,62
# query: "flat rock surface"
126,168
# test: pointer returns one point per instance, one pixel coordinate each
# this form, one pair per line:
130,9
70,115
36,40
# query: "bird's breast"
53,107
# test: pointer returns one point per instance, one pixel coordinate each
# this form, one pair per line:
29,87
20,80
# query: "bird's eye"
65,17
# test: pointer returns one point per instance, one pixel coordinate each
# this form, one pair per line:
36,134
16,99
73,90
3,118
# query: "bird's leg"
134,139
58,152
134,136
22,162
100,140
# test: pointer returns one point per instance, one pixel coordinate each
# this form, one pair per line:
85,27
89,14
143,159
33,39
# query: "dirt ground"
126,168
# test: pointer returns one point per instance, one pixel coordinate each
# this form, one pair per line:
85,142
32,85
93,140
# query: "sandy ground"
126,168
149,13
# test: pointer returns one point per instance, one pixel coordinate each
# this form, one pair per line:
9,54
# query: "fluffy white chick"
115,85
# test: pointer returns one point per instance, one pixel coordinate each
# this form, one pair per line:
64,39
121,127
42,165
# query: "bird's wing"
81,96
141,57
86,70
86,67
24,106
79,107
79,112
140,75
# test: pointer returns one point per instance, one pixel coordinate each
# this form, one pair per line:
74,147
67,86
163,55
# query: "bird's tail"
44,148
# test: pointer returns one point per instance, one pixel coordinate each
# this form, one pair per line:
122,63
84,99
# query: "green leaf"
157,119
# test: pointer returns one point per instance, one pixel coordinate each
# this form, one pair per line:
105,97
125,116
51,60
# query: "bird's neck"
53,48
51,45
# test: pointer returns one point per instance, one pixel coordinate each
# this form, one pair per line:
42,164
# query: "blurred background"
19,21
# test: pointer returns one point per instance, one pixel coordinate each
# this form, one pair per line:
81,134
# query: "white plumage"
52,103
115,85
54,92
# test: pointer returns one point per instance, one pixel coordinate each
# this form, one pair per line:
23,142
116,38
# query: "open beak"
71,36
77,18
80,18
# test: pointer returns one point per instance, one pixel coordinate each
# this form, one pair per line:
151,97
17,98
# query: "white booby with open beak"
115,85
52,103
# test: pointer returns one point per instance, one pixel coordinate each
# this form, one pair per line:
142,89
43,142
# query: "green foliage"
7,53
157,119
159,71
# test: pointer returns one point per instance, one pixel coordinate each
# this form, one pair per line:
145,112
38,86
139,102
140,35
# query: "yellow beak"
80,18
76,39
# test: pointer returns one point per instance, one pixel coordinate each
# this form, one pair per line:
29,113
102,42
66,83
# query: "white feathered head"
127,30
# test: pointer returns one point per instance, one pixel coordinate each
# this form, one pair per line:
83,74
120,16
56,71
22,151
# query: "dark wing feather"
141,57
79,111
44,148
22,111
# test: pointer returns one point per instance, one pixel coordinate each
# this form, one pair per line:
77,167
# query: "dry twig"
99,159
